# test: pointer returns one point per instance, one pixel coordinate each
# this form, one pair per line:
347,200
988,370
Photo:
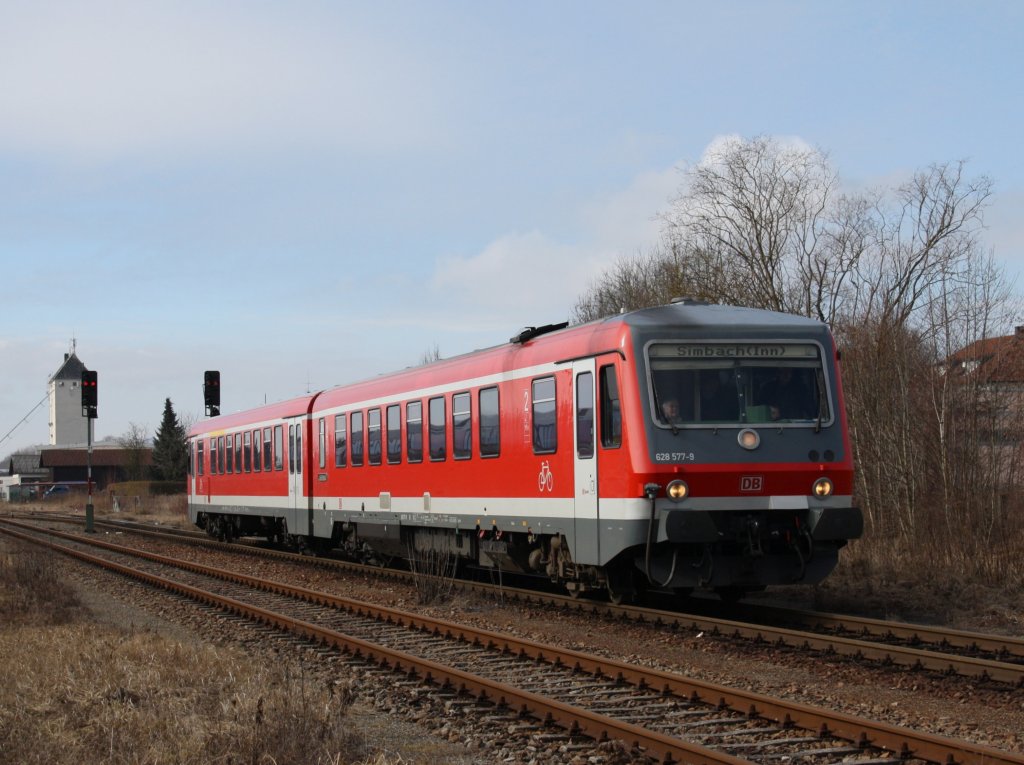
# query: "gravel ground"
950,706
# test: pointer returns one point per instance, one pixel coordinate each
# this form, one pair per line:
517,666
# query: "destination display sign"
733,351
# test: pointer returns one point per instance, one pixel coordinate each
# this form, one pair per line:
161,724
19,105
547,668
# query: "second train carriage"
685,446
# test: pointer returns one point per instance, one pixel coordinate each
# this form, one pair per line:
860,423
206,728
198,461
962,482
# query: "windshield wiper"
822,398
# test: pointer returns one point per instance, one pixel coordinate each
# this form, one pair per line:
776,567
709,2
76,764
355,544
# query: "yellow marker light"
677,490
822,488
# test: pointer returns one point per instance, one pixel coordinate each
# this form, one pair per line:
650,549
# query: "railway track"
988,658
664,716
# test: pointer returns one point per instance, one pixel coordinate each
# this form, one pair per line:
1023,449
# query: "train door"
298,518
192,480
586,507
195,456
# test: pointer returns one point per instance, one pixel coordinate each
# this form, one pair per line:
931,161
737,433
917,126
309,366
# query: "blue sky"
305,194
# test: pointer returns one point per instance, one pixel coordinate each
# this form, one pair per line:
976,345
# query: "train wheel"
618,597
621,586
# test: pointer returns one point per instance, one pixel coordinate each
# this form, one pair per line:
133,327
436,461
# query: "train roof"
696,314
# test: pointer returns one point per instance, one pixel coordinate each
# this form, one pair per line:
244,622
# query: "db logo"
752,483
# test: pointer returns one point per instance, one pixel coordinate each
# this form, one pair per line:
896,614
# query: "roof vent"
528,333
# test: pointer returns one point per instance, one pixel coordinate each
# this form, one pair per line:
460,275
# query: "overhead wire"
22,420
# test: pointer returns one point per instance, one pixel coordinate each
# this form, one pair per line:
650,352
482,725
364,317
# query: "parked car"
57,490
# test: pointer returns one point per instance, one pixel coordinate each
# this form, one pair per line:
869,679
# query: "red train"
683,446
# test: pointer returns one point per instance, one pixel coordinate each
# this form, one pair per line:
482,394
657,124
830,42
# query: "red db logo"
752,483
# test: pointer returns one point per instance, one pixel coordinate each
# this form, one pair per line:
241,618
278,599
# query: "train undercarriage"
746,560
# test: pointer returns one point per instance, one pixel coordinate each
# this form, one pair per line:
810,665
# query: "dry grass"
918,583
73,692
32,590
169,510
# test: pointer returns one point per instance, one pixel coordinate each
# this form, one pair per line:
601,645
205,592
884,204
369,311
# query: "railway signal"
211,392
90,394
90,399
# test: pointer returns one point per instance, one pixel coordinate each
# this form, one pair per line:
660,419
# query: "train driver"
670,411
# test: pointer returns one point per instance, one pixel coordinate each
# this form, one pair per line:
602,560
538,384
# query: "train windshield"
715,384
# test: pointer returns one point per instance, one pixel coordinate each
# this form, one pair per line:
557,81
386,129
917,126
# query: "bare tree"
431,355
924,236
913,299
755,218
133,441
636,282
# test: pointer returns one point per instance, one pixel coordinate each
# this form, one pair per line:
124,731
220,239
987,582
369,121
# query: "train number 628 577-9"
674,457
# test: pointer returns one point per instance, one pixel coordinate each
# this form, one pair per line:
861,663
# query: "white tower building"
67,425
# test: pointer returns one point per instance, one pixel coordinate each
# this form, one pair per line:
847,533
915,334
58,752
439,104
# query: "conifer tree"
170,447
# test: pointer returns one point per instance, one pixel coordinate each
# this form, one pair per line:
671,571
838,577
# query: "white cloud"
531,278
627,221
110,79
519,276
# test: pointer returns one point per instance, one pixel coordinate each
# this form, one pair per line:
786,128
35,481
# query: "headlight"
677,490
822,488
749,439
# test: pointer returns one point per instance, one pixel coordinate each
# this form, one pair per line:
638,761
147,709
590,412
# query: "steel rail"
1011,673
574,719
904,742
923,633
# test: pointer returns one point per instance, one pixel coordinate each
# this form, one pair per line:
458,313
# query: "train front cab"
750,476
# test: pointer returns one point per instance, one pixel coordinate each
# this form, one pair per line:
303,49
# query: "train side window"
394,415
585,415
238,452
200,467
220,454
545,434
298,448
436,427
213,456
247,461
357,439
611,409
323,443
374,434
414,431
490,427
257,458
340,441
278,447
462,427
291,448
268,451
230,454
